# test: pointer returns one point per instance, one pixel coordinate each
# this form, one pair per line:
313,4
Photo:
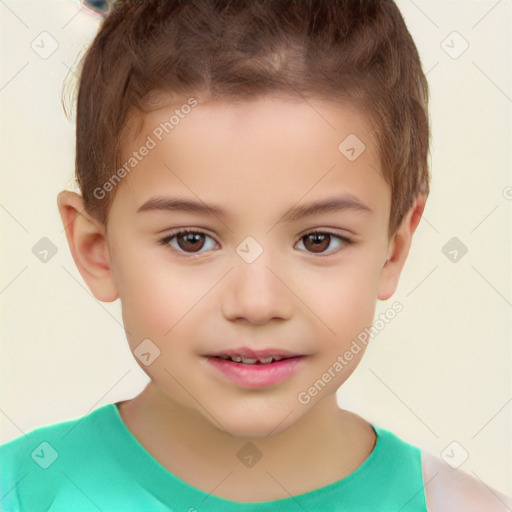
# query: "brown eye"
317,242
190,242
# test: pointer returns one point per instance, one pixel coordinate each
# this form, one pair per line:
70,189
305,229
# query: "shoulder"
40,441
34,464
23,461
453,490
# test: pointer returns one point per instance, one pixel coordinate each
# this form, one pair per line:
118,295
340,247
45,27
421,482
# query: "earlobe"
88,243
398,249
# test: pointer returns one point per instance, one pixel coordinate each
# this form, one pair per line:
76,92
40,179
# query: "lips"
249,367
255,375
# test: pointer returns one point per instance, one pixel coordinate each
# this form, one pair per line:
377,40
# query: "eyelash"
165,241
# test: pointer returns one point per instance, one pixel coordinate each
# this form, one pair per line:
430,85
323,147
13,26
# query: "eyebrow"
331,204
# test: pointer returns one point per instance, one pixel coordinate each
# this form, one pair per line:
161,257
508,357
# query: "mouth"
251,369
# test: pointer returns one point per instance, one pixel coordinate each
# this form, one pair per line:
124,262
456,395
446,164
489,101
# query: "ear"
398,249
88,243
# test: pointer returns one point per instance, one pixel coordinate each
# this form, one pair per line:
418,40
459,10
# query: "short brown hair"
237,50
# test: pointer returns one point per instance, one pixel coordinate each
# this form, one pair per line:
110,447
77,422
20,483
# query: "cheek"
158,298
343,296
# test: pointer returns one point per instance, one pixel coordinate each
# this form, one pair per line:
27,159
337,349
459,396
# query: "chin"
254,423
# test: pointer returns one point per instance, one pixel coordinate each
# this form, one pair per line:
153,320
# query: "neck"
184,440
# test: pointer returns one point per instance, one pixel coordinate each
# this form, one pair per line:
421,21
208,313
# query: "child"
288,141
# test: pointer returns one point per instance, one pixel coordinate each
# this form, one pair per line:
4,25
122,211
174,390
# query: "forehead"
253,154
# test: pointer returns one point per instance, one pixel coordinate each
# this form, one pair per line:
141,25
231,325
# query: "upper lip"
255,353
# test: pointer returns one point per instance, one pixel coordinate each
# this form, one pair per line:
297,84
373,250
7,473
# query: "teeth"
251,360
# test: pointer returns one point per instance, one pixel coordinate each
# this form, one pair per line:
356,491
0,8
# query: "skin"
256,160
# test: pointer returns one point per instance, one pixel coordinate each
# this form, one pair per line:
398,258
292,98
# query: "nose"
257,292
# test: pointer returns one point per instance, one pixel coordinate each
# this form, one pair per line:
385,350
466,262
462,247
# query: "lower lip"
257,375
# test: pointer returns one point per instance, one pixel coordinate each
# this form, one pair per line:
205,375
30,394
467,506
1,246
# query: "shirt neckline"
156,476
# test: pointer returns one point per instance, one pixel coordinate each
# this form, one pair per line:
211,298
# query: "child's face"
195,297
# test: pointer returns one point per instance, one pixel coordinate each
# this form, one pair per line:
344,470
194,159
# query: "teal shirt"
95,464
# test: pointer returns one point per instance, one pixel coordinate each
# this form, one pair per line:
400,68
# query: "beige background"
439,372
